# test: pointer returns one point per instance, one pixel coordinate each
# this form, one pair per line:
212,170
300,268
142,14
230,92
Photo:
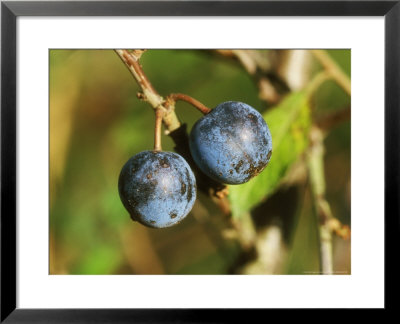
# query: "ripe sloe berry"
157,188
232,143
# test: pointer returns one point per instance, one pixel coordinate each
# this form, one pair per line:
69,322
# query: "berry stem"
197,104
157,130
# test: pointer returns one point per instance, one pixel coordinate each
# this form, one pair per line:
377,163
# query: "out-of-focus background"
294,218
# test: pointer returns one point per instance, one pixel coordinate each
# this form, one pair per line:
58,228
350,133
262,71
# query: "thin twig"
322,209
134,67
327,223
333,69
137,53
130,59
173,97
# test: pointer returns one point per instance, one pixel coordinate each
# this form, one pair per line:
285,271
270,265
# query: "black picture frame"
10,10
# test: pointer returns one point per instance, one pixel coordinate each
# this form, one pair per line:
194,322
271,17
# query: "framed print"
197,161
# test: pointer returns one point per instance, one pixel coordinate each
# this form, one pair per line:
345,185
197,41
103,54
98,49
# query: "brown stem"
157,130
140,76
137,53
170,119
180,96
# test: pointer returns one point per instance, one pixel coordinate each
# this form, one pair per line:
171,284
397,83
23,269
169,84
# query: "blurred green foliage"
97,123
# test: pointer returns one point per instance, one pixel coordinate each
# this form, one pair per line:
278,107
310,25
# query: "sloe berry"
157,188
232,143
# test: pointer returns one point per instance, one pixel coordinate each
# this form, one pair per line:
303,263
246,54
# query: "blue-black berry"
157,188
232,143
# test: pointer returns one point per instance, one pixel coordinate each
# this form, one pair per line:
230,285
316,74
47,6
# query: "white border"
364,288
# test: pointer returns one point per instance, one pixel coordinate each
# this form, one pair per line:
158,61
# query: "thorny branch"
177,131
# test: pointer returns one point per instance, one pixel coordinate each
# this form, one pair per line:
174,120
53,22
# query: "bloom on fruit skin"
157,188
232,143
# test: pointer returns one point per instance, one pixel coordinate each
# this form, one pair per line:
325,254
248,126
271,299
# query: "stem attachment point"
173,97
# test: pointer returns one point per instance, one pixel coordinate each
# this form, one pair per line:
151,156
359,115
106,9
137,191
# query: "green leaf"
289,124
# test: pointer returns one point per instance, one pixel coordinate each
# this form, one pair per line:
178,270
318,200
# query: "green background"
97,123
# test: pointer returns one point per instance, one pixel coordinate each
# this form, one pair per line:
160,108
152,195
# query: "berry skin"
157,188
232,143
